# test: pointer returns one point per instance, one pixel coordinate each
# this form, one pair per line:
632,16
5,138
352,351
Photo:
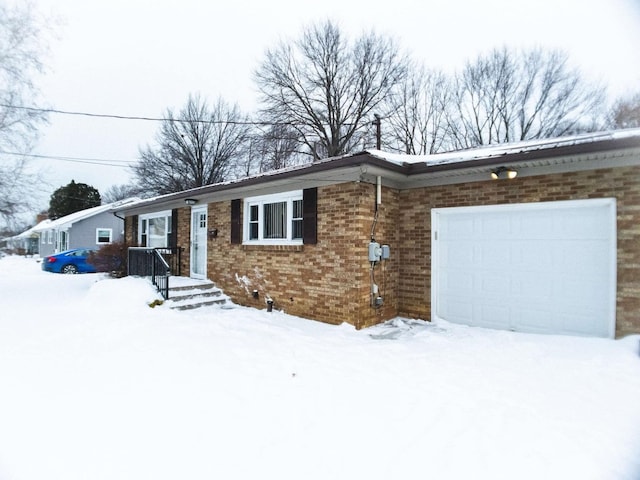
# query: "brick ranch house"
554,250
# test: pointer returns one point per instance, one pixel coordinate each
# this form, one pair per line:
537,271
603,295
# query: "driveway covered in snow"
94,384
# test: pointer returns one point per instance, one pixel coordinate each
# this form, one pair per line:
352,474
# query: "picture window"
274,219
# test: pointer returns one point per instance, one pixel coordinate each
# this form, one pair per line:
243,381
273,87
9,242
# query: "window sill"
273,248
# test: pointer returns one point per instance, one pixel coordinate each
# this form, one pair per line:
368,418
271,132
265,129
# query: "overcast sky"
137,57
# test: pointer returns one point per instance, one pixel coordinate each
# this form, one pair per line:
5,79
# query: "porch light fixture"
503,172
190,201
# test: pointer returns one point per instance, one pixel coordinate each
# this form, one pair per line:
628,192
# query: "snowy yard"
96,385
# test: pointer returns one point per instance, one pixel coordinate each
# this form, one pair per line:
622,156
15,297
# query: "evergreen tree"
72,198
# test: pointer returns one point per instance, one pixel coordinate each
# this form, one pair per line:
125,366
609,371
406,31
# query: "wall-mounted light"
190,201
503,172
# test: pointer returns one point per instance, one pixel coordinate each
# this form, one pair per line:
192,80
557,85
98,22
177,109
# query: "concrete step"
187,294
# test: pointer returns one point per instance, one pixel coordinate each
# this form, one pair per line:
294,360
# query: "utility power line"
149,119
91,161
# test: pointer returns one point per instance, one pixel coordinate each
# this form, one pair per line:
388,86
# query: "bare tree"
119,192
417,123
277,148
197,147
326,88
18,186
22,48
509,96
626,112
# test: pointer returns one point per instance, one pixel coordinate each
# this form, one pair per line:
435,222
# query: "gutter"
403,170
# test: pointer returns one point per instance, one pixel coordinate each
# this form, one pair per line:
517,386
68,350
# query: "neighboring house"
554,250
89,228
27,242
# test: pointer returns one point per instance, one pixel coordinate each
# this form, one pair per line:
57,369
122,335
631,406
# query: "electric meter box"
375,252
386,252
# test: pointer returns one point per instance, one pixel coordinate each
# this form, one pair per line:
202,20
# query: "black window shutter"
236,222
173,238
310,216
134,230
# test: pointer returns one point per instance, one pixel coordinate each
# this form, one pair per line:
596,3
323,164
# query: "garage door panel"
534,320
578,290
494,316
585,224
546,267
535,227
536,285
459,227
493,285
580,322
459,255
531,255
584,257
457,308
495,224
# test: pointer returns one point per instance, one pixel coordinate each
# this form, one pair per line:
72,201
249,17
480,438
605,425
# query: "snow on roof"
68,220
35,229
501,149
401,160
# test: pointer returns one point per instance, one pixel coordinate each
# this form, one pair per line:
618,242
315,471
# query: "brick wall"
183,238
328,281
331,281
128,231
415,228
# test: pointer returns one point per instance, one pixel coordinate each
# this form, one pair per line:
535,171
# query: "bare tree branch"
417,122
22,48
191,152
626,112
326,88
509,96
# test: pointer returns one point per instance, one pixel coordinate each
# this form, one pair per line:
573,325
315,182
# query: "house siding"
415,228
82,234
327,281
330,281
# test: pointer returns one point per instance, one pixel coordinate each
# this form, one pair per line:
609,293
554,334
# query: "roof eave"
364,165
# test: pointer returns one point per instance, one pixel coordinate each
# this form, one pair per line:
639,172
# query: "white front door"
545,267
198,243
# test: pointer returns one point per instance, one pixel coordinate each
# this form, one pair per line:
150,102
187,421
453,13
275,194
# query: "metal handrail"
173,256
148,262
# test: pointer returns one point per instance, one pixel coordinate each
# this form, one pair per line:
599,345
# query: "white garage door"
539,267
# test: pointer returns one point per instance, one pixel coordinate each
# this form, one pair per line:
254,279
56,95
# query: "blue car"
69,261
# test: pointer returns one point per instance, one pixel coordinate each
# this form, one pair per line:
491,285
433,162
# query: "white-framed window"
154,229
50,237
103,236
273,219
62,241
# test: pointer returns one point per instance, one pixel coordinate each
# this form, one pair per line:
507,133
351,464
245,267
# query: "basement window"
274,219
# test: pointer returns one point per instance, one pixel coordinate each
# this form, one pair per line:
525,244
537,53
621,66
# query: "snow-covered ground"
94,384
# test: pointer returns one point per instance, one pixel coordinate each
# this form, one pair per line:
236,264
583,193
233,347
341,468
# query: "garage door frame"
609,204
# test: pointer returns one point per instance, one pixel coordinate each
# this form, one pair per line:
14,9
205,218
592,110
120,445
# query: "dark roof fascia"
349,161
529,155
402,170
